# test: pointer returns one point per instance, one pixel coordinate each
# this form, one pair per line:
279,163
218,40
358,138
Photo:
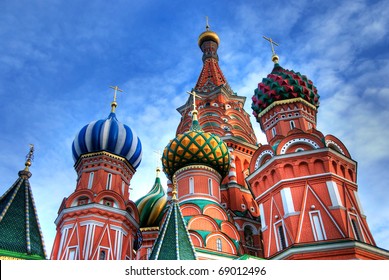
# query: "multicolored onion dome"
196,147
151,205
108,135
283,84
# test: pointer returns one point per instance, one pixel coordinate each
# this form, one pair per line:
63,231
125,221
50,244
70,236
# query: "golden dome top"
208,35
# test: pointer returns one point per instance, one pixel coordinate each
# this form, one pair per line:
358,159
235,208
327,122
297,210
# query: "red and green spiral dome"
283,84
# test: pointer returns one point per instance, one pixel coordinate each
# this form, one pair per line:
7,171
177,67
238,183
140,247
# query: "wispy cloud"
58,59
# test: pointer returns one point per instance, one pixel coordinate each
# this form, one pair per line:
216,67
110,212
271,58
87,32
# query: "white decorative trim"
334,193
259,159
287,201
331,246
310,142
328,142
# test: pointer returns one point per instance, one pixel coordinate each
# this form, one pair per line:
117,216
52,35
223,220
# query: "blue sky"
58,59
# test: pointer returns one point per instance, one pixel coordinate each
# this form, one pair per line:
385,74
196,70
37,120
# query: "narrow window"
281,237
123,186
309,125
109,181
72,253
317,226
191,185
357,231
273,131
292,125
90,182
103,255
210,186
219,244
148,253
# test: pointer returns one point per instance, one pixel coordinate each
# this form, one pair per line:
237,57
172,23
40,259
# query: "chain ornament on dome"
114,104
274,57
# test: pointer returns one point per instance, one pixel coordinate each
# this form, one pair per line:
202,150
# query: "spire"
211,76
21,235
274,57
114,104
173,242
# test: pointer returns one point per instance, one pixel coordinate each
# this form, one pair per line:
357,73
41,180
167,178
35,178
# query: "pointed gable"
20,232
173,242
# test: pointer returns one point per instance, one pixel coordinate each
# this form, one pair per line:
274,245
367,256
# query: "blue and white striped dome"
108,135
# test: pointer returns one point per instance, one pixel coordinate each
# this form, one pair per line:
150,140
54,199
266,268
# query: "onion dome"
151,205
283,84
208,35
108,135
196,147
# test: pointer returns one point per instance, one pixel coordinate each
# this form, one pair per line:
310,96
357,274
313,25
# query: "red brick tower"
304,182
221,112
98,220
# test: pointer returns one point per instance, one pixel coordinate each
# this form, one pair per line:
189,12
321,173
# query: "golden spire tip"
29,157
114,104
274,56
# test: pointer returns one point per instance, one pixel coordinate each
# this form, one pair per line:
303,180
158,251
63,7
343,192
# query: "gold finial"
193,93
274,57
207,24
114,104
157,160
29,157
174,191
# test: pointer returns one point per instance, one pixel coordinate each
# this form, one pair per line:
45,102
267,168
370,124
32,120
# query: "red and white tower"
221,112
98,220
304,182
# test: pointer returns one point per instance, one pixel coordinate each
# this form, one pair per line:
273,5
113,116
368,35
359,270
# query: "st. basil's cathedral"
227,197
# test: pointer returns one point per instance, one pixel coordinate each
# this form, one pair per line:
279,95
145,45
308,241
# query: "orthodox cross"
114,103
272,43
29,157
193,93
207,24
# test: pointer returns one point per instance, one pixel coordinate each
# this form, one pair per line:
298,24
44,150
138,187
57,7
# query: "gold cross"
272,43
193,93
114,103
116,89
207,25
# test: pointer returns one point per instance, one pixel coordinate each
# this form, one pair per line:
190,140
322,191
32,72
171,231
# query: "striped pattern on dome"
108,135
151,206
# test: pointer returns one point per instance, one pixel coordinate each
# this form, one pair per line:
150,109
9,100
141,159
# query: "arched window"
191,185
90,181
210,188
219,244
109,181
273,131
292,125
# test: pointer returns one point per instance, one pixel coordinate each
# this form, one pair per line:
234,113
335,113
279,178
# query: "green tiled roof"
173,242
20,232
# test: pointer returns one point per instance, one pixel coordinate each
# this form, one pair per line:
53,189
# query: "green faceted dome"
283,84
196,147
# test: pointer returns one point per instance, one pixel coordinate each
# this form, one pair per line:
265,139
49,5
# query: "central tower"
221,112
